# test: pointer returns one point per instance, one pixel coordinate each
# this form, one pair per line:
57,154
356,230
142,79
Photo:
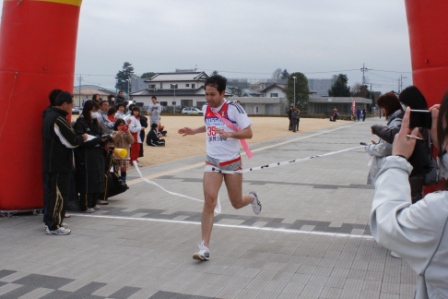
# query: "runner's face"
213,97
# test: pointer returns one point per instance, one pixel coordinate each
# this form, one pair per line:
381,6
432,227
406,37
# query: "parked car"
191,110
76,110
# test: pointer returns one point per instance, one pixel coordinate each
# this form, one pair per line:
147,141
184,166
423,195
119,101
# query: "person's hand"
84,136
128,121
185,131
223,133
403,145
434,115
373,142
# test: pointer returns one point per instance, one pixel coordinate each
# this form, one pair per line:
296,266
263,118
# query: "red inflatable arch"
37,54
428,29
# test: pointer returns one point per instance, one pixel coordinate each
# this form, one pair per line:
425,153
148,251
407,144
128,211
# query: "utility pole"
363,70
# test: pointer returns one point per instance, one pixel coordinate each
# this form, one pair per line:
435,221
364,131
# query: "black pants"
57,191
88,200
142,136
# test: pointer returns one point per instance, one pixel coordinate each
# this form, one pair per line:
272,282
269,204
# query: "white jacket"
418,233
135,127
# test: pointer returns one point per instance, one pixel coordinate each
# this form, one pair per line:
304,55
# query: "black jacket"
420,156
59,139
89,159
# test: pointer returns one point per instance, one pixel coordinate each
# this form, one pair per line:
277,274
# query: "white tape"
218,204
277,164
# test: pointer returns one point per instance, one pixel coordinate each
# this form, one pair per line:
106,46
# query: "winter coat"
417,232
89,159
122,140
59,140
382,148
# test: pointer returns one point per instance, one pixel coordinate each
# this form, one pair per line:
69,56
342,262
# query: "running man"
223,152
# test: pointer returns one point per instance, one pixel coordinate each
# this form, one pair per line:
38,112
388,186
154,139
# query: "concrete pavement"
311,239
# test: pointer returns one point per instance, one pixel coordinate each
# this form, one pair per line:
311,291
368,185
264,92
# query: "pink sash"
233,127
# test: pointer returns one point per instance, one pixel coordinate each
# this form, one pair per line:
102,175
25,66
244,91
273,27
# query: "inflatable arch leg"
37,55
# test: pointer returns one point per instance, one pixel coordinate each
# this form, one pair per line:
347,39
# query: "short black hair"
52,96
412,97
120,104
118,122
63,97
217,81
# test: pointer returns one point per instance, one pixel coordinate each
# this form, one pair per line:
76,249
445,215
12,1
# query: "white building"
180,89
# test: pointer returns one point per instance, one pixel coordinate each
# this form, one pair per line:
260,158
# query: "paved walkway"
311,239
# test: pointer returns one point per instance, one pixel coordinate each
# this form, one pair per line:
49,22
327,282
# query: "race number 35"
211,131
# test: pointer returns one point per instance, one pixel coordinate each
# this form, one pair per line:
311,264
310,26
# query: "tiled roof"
170,92
191,76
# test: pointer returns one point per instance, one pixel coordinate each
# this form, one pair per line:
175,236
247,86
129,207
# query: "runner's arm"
245,133
189,131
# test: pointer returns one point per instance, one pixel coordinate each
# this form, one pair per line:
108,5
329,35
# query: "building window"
187,85
164,104
152,86
193,85
161,85
274,95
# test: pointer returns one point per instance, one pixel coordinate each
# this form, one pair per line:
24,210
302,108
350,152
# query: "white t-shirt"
221,148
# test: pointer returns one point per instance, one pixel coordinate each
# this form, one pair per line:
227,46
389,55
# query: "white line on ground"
283,230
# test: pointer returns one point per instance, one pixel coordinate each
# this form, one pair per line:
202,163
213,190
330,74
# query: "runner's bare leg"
211,184
234,185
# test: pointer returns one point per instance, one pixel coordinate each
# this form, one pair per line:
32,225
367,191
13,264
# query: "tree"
285,75
214,73
359,90
340,88
302,91
123,76
277,75
147,75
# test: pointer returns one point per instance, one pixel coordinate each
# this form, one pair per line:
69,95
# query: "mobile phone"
420,119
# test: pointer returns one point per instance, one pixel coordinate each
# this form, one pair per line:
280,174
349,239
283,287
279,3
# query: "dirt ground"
178,147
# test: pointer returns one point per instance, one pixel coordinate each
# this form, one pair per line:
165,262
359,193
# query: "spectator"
111,100
105,124
161,128
135,127
96,98
155,138
417,232
111,114
364,113
89,160
120,99
295,119
290,111
154,111
391,108
59,139
120,111
122,139
144,124
413,98
358,114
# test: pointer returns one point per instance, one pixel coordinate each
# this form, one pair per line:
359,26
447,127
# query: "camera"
420,119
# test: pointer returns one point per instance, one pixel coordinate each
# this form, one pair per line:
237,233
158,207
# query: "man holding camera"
416,232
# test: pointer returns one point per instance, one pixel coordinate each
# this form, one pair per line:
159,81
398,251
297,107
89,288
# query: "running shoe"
256,205
203,254
90,210
59,232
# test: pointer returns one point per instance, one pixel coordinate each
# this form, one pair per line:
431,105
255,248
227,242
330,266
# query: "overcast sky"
246,38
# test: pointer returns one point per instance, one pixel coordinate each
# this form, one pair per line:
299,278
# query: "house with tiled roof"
180,89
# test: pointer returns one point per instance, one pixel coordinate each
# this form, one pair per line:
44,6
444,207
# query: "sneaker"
395,255
203,254
63,224
256,205
90,210
102,202
59,232
97,207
